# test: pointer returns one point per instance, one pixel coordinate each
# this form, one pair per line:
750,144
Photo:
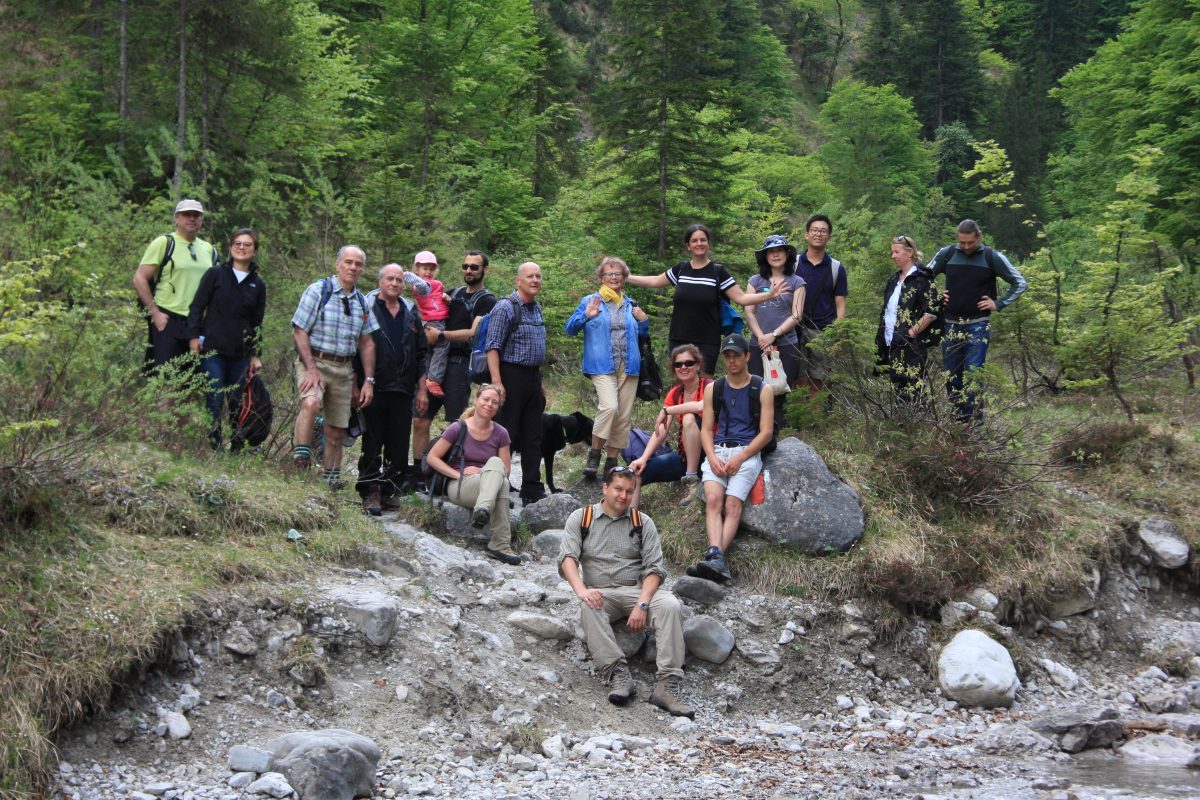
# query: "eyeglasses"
684,364
242,244
819,231
611,275
472,267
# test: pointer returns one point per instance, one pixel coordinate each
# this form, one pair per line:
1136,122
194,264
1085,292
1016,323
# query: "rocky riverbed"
432,671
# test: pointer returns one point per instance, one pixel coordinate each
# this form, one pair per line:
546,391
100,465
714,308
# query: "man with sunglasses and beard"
330,325
468,304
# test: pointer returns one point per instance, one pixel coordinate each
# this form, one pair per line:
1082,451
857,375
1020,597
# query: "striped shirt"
527,345
334,329
696,316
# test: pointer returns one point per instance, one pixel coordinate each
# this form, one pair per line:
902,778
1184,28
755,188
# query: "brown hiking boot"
371,503
617,676
593,464
666,697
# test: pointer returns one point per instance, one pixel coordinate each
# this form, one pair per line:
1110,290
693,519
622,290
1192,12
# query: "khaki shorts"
811,363
339,386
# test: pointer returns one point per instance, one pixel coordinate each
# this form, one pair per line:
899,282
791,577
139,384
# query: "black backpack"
756,384
250,419
650,384
436,481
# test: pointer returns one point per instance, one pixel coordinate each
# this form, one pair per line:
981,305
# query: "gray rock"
240,780
1082,728
158,789
958,612
549,513
1183,724
372,613
760,654
1162,538
699,590
975,670
479,569
1062,676
807,507
541,625
707,639
177,724
1166,639
547,543
630,643
983,600
1014,738
239,641
1161,749
243,758
1163,703
272,784
1068,603
329,764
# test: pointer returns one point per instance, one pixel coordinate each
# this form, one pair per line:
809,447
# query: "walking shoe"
371,502
609,463
505,554
434,388
713,568
480,517
616,675
593,464
666,696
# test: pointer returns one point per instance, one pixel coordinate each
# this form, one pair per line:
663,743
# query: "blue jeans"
223,372
663,468
964,349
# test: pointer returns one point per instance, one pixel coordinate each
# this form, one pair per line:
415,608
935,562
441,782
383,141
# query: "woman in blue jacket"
225,323
611,322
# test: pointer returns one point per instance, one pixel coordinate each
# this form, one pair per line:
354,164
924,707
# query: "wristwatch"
441,336
370,379
644,606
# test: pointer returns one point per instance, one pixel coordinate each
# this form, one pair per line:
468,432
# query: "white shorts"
739,485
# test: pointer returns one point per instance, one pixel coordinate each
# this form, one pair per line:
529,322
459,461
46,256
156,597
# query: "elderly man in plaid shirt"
330,324
612,558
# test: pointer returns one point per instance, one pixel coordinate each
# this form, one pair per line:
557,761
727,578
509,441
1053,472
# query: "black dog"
558,431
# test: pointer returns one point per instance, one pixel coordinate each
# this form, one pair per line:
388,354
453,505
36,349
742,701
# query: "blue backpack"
478,368
731,320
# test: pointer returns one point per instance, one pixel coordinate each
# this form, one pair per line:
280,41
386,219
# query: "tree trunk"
181,101
662,157
838,43
123,78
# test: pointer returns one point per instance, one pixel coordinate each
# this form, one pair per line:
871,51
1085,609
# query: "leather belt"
321,354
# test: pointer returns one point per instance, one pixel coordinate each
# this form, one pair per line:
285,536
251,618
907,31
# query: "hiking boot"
690,479
480,517
505,554
592,465
713,568
371,502
609,463
666,696
616,675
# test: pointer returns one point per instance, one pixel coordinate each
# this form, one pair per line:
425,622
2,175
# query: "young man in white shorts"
732,448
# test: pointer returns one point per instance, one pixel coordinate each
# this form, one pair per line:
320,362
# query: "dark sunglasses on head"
472,267
682,364
903,240
346,305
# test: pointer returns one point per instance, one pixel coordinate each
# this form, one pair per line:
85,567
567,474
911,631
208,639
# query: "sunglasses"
904,240
620,471
472,267
684,364
346,306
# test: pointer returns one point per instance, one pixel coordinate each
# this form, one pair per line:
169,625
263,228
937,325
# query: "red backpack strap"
585,524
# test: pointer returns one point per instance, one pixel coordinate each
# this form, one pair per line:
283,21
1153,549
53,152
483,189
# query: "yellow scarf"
610,295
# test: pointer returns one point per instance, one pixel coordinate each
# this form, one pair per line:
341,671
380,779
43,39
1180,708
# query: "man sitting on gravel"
620,556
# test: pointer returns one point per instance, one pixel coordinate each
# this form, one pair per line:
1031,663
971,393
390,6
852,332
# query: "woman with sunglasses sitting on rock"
684,404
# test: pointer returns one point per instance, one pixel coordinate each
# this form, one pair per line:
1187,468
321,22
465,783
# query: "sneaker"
616,675
371,502
666,696
505,554
434,388
593,464
713,568
480,517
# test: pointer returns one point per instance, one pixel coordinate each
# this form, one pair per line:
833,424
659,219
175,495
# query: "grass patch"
122,557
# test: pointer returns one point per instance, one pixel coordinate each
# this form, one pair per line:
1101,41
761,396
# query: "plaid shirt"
611,555
331,329
527,346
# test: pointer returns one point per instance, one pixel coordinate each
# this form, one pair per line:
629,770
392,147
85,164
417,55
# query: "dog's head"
577,427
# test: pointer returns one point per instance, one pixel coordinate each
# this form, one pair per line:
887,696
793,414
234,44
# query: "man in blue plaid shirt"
331,324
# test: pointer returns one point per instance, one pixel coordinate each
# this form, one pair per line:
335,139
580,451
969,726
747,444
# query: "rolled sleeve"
307,310
652,555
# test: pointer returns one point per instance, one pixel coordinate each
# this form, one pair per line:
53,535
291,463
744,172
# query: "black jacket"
918,298
228,314
400,347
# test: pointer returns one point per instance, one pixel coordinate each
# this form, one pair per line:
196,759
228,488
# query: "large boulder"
708,639
975,670
1081,729
1162,749
542,626
329,764
807,507
373,613
550,512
